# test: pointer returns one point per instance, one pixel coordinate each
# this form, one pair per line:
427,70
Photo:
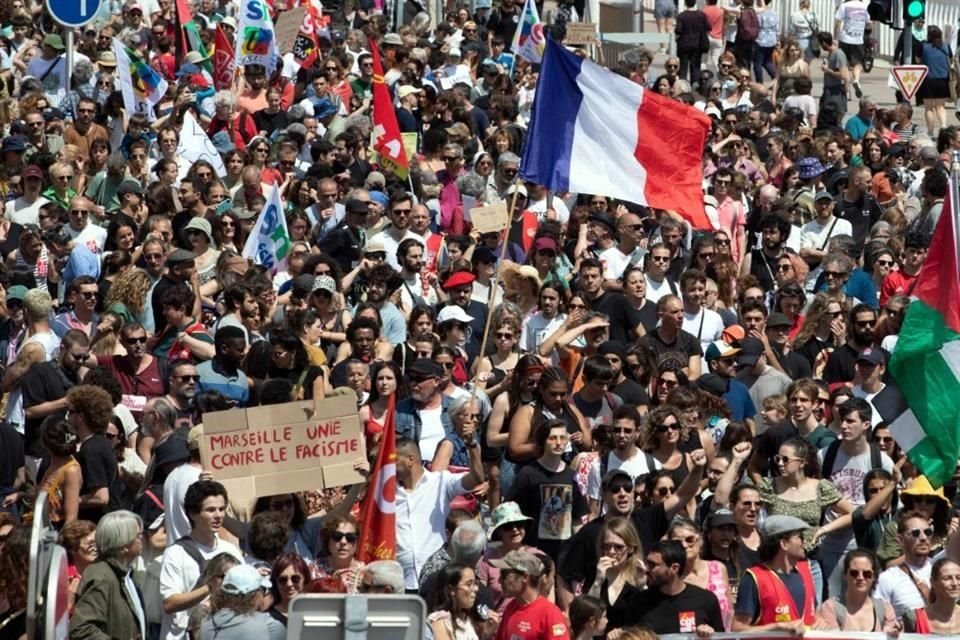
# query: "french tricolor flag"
594,131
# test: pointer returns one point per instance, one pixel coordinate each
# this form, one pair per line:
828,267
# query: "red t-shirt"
896,283
539,620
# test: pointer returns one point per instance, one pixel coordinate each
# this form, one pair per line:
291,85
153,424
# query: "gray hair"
82,72
843,243
470,184
165,417
225,98
459,404
467,543
454,147
387,573
842,260
116,530
421,23
881,225
508,156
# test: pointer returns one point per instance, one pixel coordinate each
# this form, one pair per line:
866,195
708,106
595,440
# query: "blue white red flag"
528,39
594,131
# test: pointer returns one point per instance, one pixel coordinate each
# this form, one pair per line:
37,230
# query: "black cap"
604,219
302,285
750,351
425,367
872,355
614,347
777,319
719,518
612,475
484,255
130,186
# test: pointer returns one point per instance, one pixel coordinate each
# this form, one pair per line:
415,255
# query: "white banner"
269,240
195,145
256,39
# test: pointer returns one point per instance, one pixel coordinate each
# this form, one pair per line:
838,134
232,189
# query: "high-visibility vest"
776,602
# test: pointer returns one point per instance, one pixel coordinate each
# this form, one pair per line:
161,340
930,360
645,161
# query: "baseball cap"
823,195
16,292
872,356
406,90
374,246
719,349
777,319
720,518
750,351
425,367
522,561
180,256
324,283
130,186
243,579
54,41
544,244
453,312
356,206
33,171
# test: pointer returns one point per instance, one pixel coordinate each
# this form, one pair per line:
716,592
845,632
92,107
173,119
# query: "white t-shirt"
536,329
540,208
391,245
52,75
431,433
614,263
91,236
853,14
847,476
174,490
656,290
22,213
636,466
814,235
897,588
179,574
705,326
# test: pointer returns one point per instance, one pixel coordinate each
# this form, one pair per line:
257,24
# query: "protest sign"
297,446
489,219
195,145
287,28
581,33
410,143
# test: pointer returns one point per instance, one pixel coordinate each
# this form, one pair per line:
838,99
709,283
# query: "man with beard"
670,605
44,386
183,389
140,374
400,209
423,416
670,337
762,263
777,332
629,391
841,366
625,455
382,281
459,288
418,287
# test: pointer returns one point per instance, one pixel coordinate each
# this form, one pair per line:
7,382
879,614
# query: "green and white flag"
926,361
269,241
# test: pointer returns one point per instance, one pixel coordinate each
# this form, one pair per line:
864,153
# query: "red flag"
223,61
387,141
306,49
182,15
378,534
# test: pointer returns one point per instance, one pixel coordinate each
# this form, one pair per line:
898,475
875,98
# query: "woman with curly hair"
127,296
724,271
690,405
824,330
79,540
339,540
14,571
228,232
661,436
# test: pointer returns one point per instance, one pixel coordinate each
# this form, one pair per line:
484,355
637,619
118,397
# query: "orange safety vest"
776,603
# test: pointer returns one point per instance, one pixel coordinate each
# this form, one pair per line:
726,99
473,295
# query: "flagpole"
493,284
955,200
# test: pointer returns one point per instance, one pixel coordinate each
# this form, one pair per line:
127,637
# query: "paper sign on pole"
581,33
489,219
287,28
909,77
410,143
297,446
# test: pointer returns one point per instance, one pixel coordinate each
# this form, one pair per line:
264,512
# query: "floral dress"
807,510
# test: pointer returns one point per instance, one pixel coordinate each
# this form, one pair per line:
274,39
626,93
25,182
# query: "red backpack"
748,25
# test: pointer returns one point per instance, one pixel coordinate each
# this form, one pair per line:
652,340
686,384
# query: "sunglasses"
89,295
136,340
721,241
866,574
576,306
784,267
505,336
784,459
666,382
833,274
663,428
915,533
663,492
338,536
885,263
660,258
620,487
193,378
294,580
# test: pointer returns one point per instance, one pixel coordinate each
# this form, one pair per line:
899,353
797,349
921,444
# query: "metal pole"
955,200
70,52
907,42
638,16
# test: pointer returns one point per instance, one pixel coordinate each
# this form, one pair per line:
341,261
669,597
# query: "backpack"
830,457
189,545
748,25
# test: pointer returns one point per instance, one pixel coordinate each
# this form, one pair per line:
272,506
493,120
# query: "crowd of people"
608,423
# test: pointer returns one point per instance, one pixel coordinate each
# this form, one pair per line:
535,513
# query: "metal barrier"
808,635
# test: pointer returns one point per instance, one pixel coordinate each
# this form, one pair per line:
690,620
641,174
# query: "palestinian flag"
926,361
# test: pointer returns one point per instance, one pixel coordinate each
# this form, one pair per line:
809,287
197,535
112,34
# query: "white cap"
453,312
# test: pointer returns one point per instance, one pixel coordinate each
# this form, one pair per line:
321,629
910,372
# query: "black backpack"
189,545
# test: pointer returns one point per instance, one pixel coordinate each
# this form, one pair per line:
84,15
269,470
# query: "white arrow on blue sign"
73,13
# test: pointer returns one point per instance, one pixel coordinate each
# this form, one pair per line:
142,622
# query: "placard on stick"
297,446
490,219
287,28
581,33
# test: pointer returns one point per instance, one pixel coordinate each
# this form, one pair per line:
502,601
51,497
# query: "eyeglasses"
505,336
672,66
294,580
187,378
613,546
338,536
721,241
89,295
663,428
660,258
450,158
687,541
915,533
784,267
666,491
68,176
135,339
835,314
706,255
834,274
866,574
667,382
785,459
402,212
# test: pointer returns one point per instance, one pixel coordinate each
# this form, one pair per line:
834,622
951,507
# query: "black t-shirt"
794,365
840,365
504,24
685,344
578,556
648,316
862,215
767,444
553,500
631,393
623,317
811,350
651,523
270,122
98,465
681,613
44,381
11,455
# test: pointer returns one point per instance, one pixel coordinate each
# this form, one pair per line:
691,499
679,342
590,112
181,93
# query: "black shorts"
854,53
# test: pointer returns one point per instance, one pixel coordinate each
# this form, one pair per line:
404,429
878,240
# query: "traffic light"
881,11
914,9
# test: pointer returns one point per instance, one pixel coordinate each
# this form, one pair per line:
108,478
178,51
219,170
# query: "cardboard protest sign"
410,143
581,33
489,219
287,28
297,446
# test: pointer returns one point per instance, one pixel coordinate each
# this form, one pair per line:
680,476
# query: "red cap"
459,279
545,243
33,171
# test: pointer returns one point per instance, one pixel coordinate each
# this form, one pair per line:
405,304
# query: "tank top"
39,268
53,485
719,587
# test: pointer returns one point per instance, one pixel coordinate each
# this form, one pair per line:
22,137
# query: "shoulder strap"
157,501
829,458
651,461
879,613
922,588
604,464
829,231
49,69
876,459
189,545
839,611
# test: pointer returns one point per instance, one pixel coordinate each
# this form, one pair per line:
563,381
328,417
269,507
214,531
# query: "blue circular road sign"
73,13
